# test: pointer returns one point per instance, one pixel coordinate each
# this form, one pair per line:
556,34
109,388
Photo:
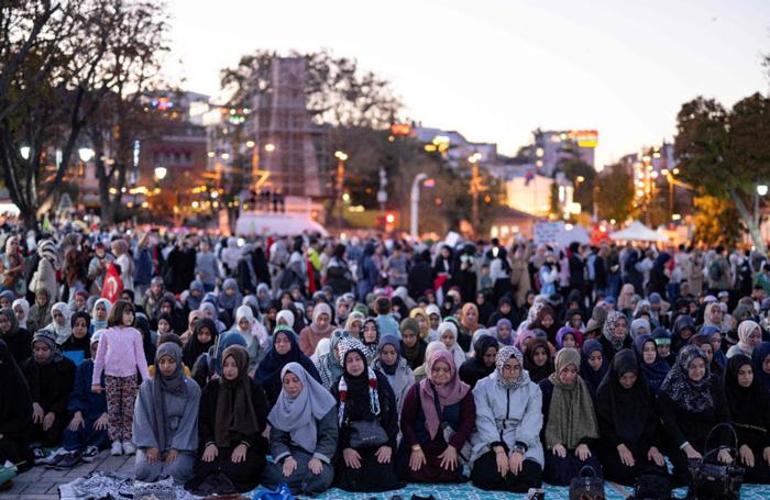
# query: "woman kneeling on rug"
368,420
437,420
507,453
233,415
166,420
303,434
569,421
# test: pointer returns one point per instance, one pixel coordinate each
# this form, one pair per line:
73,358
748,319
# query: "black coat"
50,385
20,345
208,411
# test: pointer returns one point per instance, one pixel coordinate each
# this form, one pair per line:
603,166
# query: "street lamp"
160,173
340,185
269,148
415,199
86,154
24,150
762,189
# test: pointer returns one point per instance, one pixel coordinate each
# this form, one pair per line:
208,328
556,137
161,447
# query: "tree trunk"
752,222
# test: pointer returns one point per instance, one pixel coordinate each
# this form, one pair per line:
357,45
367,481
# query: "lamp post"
476,188
761,191
340,185
415,200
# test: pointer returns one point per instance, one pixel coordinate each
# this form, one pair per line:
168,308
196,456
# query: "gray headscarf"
298,416
504,354
173,384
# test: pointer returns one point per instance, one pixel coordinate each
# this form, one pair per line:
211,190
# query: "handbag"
652,487
715,480
367,434
587,485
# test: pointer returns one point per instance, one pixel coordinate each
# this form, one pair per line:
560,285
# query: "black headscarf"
142,324
627,409
15,398
235,417
538,373
268,372
593,377
748,405
474,369
194,347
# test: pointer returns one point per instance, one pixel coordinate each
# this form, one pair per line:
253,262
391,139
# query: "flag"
113,284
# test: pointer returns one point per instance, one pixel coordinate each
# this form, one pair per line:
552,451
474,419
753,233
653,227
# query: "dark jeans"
484,475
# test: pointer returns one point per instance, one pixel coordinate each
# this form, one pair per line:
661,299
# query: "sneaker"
90,454
128,448
39,455
117,449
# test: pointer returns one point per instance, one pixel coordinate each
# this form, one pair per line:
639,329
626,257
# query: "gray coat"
507,415
326,445
182,422
400,382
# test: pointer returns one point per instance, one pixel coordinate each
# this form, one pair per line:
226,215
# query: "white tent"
279,224
636,231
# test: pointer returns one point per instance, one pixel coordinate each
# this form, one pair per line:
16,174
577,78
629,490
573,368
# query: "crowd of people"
365,364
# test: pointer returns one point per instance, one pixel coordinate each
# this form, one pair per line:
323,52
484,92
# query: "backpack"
715,270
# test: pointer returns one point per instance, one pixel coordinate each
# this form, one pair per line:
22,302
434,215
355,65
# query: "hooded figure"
166,420
627,418
508,421
303,429
749,335
569,421
761,359
233,415
652,366
60,322
15,412
390,362
330,365
749,407
447,332
615,335
537,359
593,364
18,341
204,336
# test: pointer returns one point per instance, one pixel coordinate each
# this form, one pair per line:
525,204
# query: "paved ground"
40,483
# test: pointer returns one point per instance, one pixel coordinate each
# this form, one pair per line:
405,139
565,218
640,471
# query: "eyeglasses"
508,368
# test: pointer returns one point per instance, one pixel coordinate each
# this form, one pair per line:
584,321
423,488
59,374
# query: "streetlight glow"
762,189
160,173
24,150
250,144
86,154
269,148
341,155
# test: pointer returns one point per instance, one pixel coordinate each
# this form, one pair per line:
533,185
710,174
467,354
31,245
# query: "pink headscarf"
450,393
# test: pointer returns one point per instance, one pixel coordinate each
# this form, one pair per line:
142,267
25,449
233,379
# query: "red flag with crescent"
113,284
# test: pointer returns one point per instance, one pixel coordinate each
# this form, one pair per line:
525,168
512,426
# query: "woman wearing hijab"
469,323
628,423
233,415
15,412
437,421
447,332
209,364
691,403
761,360
652,366
569,422
569,337
615,335
593,365
228,300
99,314
51,377
423,322
507,453
546,320
390,362
78,346
303,434
284,350
412,346
40,312
421,372
640,326
193,299
749,337
504,332
330,365
749,407
252,332
21,309
368,423
504,310
204,336
370,337
165,426
18,340
483,361
537,360
320,328
60,322
703,342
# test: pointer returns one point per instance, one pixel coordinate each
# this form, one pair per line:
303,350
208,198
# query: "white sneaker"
128,448
117,449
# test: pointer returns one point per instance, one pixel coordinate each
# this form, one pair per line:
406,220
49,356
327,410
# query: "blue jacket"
91,405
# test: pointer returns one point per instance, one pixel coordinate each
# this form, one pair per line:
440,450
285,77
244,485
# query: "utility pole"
477,186
415,200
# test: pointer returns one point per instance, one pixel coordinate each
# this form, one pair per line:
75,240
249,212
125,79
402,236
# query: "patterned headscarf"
613,318
503,355
688,394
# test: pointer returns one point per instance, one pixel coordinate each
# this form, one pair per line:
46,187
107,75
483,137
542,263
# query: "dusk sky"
496,70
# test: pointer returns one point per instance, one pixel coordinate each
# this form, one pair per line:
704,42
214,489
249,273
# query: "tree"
582,175
715,221
727,153
57,63
614,193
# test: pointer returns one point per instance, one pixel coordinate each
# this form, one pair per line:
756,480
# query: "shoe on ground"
128,448
117,449
90,454
69,460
